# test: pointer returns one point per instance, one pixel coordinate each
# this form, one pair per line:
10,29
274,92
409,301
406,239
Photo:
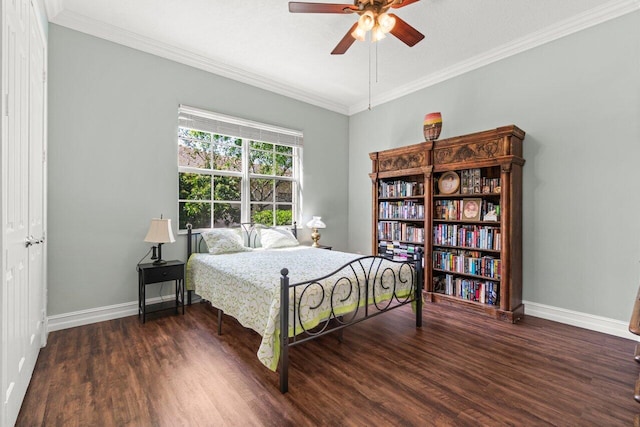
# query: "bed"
306,291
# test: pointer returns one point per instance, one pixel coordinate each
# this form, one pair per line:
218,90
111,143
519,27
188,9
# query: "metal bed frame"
371,268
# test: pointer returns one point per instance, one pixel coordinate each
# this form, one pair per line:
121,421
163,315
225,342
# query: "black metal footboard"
376,285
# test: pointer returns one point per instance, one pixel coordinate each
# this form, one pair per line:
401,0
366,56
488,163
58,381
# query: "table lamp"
316,223
159,232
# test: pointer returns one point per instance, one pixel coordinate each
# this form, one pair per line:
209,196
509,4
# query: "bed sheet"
246,286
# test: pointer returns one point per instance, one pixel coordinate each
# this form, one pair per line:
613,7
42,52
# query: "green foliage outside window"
206,192
283,217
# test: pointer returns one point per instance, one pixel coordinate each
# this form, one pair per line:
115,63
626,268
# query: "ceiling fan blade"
403,3
302,7
405,32
345,43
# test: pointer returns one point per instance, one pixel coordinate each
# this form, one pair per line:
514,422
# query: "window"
232,170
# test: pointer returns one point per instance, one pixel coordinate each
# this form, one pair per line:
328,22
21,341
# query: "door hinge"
44,76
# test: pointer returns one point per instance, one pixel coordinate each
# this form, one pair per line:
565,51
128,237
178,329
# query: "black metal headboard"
250,232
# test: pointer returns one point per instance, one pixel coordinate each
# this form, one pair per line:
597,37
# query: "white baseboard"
582,320
94,315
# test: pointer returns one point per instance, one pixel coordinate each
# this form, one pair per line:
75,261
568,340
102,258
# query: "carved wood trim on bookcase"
487,145
413,159
468,152
404,161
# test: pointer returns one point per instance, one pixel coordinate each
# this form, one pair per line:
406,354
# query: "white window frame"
246,131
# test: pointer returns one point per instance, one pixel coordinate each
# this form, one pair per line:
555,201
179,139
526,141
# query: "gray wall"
578,100
113,162
112,159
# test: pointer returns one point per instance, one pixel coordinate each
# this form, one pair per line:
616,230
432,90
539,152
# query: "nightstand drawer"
163,274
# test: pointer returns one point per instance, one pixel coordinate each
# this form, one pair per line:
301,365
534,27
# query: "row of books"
392,230
451,210
408,209
467,262
470,236
398,251
472,182
401,189
482,291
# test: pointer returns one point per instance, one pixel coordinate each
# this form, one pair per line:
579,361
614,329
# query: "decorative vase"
432,126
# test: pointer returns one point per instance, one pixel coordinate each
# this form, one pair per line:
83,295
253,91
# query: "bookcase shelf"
445,221
467,248
470,188
400,198
469,275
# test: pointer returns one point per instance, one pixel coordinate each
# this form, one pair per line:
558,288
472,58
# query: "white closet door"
21,296
37,163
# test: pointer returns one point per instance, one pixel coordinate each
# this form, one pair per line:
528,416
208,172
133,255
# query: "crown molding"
53,8
77,22
610,10
595,16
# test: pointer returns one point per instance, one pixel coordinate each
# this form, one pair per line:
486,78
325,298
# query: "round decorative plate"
449,183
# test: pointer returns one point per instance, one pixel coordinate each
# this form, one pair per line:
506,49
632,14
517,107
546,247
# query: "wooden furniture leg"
634,323
634,327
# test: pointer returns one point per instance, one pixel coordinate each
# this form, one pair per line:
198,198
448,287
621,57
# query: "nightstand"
324,247
150,273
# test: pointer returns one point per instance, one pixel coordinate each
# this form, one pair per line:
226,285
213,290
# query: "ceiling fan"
373,16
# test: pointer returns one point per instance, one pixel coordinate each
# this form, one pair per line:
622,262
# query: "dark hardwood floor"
459,369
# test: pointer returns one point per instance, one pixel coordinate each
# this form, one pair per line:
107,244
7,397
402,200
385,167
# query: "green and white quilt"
246,286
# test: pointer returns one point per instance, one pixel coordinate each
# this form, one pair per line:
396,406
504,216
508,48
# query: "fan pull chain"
377,81
370,76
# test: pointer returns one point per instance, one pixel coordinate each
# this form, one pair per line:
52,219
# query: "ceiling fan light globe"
359,34
377,34
386,22
366,21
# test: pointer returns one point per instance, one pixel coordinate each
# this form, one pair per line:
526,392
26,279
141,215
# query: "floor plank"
459,369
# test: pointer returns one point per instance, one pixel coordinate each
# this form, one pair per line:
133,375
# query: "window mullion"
273,199
212,195
245,197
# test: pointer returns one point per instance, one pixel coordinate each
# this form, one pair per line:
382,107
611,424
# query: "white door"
22,300
37,163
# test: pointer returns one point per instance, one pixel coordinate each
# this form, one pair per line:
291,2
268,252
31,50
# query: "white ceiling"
260,43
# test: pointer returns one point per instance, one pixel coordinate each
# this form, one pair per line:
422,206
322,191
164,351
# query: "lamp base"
158,259
315,236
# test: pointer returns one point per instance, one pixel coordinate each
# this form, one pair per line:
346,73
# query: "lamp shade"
316,222
366,20
386,22
160,231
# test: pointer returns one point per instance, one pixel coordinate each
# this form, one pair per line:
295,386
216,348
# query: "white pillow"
272,238
224,241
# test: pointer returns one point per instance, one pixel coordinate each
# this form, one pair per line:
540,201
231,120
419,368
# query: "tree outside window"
224,180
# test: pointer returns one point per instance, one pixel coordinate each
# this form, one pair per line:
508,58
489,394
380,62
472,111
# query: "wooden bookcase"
400,195
472,220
